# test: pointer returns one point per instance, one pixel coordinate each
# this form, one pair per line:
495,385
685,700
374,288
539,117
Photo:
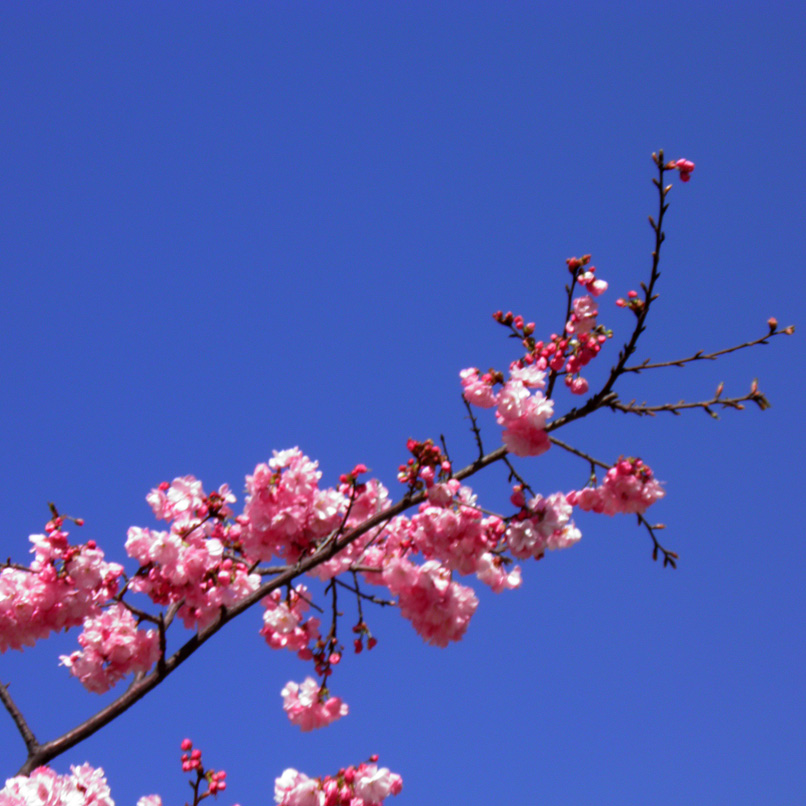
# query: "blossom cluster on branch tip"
629,487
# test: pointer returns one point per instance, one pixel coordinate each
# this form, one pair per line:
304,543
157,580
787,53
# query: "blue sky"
232,228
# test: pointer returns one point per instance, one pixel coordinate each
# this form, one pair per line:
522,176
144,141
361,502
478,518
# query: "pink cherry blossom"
294,788
478,389
374,785
305,706
583,318
524,419
438,608
189,567
628,487
286,512
63,586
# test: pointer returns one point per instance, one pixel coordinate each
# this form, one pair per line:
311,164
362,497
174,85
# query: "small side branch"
701,356
644,410
581,454
474,427
31,744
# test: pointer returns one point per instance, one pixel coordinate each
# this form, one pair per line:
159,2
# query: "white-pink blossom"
83,786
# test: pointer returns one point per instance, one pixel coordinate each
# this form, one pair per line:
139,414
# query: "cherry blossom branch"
43,753
27,734
569,291
701,356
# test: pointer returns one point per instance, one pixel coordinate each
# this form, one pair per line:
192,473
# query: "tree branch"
39,754
27,734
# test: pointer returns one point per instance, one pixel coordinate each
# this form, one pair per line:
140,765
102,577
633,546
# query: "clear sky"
230,228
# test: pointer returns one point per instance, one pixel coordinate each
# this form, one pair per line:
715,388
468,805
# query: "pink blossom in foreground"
492,571
305,707
190,567
532,376
628,487
583,317
593,284
112,647
84,786
369,499
374,785
457,535
150,800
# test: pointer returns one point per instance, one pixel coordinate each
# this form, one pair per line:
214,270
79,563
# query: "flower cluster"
522,413
307,705
286,513
112,648
283,621
84,786
629,487
438,607
542,523
364,785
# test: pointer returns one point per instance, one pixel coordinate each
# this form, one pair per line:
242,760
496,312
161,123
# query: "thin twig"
701,356
361,595
669,557
581,454
645,410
